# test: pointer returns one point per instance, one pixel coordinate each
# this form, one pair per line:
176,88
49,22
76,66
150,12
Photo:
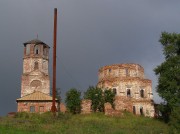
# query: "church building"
35,83
133,91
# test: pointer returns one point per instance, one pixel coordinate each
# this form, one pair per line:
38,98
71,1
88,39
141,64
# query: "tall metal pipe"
53,108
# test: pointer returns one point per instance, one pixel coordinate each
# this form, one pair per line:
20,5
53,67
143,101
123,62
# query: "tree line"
95,94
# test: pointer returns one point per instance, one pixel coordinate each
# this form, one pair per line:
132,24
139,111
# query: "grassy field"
96,123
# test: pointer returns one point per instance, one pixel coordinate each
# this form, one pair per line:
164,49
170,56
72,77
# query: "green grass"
96,123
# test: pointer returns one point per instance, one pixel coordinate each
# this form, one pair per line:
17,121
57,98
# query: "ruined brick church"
35,83
133,91
127,81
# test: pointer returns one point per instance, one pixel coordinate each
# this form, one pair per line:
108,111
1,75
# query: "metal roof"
35,41
36,96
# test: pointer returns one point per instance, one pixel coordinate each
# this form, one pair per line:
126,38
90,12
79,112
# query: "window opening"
32,109
128,93
45,51
36,66
41,109
36,49
114,91
141,111
142,93
134,110
27,49
127,73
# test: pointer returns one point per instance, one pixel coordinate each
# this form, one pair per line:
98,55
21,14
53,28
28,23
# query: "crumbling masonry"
35,84
133,91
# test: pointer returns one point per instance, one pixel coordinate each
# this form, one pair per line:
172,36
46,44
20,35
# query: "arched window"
27,49
128,93
141,110
45,51
36,84
127,72
36,49
36,66
134,110
114,91
142,93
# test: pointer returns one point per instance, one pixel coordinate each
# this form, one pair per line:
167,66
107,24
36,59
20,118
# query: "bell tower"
35,75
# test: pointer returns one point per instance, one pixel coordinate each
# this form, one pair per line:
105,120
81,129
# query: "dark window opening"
36,49
128,93
32,109
36,65
134,110
141,111
114,91
142,93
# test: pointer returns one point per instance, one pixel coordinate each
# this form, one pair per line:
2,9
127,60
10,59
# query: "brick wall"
86,106
39,107
108,110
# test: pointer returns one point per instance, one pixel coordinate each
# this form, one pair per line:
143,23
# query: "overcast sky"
91,34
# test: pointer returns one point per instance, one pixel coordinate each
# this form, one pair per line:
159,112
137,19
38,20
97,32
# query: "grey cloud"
91,34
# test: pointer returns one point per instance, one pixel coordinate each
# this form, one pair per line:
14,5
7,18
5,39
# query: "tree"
73,101
169,72
109,96
95,94
99,97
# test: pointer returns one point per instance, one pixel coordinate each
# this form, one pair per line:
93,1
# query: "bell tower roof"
35,41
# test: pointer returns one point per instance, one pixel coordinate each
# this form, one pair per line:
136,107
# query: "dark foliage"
95,94
73,101
169,78
99,97
109,96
